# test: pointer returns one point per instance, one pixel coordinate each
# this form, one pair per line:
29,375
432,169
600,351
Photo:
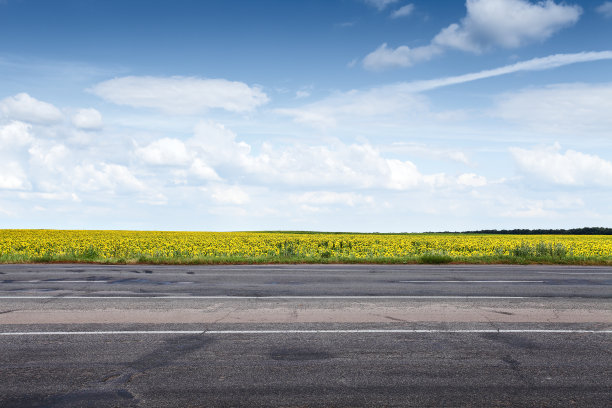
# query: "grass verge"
429,258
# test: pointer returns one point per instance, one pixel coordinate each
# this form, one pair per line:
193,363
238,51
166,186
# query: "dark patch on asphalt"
170,351
85,398
513,340
33,290
504,313
298,354
8,311
514,364
394,319
139,280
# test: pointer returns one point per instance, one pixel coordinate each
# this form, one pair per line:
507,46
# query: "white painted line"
576,273
349,331
61,281
360,331
470,281
267,297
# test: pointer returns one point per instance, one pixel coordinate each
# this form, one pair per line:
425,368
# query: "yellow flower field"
151,246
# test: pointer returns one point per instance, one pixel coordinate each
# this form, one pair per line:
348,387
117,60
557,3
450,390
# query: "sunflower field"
254,247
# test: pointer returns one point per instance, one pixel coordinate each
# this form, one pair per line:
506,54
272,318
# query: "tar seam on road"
348,331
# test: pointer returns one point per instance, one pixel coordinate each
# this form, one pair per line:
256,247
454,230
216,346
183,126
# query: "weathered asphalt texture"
220,364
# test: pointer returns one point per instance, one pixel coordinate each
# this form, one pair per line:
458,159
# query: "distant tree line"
572,231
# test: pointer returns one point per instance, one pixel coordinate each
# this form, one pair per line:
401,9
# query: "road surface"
305,335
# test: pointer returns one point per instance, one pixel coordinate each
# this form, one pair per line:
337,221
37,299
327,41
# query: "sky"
326,115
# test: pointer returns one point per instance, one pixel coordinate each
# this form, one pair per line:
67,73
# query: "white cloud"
571,168
106,177
15,135
403,56
605,9
487,24
302,93
25,108
330,198
380,4
355,166
229,195
535,64
174,152
217,144
427,151
471,180
564,108
165,151
12,176
403,11
402,100
506,23
88,119
52,157
181,95
358,105
203,171
548,208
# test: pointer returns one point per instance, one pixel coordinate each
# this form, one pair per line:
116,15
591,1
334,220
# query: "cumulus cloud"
15,138
229,194
51,157
506,23
92,177
403,11
331,198
605,9
181,95
563,108
359,166
12,176
487,24
218,144
87,119
25,108
165,151
175,152
203,171
572,168
15,135
471,180
380,4
384,57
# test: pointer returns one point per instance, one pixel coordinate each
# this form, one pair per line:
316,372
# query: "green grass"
429,258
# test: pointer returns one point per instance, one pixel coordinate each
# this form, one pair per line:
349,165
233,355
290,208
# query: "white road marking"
576,273
470,281
61,281
348,331
94,281
267,297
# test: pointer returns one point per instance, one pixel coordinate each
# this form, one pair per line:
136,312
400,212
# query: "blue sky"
352,115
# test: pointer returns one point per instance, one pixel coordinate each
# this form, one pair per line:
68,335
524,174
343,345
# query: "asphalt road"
301,335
